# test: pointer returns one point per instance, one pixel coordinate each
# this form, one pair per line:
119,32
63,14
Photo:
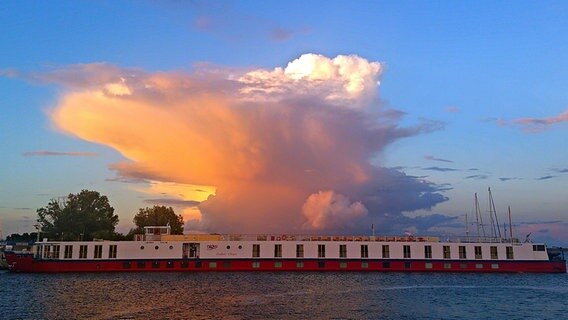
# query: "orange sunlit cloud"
286,149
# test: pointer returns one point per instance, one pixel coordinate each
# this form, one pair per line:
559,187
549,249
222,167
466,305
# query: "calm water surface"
283,296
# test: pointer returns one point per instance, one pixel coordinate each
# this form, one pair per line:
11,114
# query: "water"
267,295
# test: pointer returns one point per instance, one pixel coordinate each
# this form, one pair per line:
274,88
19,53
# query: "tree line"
88,215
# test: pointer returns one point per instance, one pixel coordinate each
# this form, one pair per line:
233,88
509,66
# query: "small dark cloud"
432,158
55,153
439,169
23,208
509,178
172,202
126,180
540,222
560,170
546,177
477,177
473,169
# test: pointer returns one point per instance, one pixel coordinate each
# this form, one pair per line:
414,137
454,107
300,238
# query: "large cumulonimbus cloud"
294,149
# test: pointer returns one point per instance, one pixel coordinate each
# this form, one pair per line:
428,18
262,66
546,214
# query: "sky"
292,117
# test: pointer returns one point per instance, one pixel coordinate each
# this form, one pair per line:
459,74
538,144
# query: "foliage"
24,237
82,216
158,216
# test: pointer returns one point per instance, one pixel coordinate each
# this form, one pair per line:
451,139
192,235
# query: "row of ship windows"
299,265
54,251
385,252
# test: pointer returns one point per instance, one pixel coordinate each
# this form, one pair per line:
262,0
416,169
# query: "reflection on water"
283,296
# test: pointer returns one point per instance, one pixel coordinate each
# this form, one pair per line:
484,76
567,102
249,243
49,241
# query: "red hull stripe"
26,263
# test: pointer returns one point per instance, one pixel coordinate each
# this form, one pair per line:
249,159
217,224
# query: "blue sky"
490,75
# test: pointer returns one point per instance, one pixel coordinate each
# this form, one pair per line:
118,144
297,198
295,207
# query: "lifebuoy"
284,237
277,238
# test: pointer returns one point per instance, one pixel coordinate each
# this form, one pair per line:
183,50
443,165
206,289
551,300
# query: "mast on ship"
479,218
495,229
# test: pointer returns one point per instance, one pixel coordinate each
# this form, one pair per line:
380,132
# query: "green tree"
158,216
81,216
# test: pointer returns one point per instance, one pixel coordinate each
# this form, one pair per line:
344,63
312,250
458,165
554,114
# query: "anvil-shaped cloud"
294,149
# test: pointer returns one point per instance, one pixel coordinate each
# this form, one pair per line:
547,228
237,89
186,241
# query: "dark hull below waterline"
26,263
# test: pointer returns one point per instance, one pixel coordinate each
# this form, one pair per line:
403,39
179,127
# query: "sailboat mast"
479,217
493,212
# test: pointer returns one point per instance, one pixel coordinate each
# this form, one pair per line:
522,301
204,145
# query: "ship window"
321,264
447,253
494,253
463,265
171,247
227,265
141,247
494,266
256,250
343,251
406,251
47,252
184,264
299,264
56,252
68,252
538,247
255,264
198,264
509,251
228,247
98,251
343,265
428,252
277,264
364,265
428,265
364,251
299,251
321,250
240,247
277,250
170,264
212,265
141,264
126,265
156,247
83,252
155,264
462,252
407,265
386,264
478,254
479,265
386,251
447,265
112,251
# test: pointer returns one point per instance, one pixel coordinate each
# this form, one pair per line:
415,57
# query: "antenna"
510,225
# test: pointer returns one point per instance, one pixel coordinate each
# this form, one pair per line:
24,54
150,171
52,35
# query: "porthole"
141,247
240,247
228,247
171,247
156,247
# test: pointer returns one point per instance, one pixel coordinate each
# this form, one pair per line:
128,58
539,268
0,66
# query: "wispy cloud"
509,178
432,158
533,125
56,153
441,169
564,170
546,177
452,109
477,177
172,202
